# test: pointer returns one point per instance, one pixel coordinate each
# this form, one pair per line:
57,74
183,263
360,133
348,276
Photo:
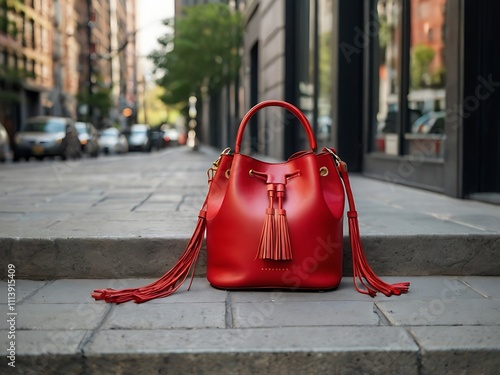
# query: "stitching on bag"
274,269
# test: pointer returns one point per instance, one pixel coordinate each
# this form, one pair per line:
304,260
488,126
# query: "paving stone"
31,343
81,316
313,313
459,350
76,291
286,350
164,316
487,286
421,287
121,229
120,215
164,197
448,310
411,222
200,291
23,288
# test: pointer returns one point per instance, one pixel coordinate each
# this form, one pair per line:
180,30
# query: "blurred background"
406,90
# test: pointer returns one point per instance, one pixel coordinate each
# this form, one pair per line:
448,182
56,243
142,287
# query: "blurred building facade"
52,52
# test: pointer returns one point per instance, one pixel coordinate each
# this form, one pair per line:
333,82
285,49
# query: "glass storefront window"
426,97
387,82
325,51
417,81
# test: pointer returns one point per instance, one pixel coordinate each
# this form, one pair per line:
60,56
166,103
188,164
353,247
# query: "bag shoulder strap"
365,280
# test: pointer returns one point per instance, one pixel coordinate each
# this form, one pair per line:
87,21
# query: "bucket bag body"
271,225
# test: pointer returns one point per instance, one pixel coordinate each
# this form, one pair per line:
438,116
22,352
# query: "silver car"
111,141
47,136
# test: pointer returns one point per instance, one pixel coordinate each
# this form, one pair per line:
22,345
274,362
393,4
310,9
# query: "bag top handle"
276,103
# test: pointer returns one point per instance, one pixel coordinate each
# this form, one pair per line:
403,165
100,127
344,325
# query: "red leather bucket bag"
271,225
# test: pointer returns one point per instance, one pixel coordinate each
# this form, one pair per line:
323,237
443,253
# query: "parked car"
430,123
43,136
139,138
111,141
88,136
171,136
157,141
4,143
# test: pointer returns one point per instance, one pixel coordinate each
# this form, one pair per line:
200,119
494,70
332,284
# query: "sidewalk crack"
183,199
419,352
229,311
35,292
141,202
473,288
89,337
383,319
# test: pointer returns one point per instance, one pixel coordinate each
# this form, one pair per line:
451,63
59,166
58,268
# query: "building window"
31,34
325,52
32,68
314,67
426,96
23,30
387,57
409,89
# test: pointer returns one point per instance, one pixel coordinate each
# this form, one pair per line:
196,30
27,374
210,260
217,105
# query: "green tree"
422,56
202,54
100,99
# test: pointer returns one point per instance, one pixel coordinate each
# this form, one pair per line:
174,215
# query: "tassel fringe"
283,245
362,272
267,236
275,237
363,275
169,282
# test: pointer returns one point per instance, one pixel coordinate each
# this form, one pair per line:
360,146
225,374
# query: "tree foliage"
421,58
202,53
101,98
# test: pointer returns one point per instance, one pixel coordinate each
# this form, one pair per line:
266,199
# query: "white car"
111,141
139,138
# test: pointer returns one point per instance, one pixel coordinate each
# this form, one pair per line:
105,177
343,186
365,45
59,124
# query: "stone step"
321,350
123,257
445,325
132,215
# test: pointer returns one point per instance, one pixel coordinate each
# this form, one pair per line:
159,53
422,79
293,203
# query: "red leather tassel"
169,282
362,272
283,245
267,236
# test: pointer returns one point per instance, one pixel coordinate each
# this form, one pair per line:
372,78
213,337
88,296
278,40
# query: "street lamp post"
192,112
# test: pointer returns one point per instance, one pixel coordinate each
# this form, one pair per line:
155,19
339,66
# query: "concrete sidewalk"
71,227
136,212
445,325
